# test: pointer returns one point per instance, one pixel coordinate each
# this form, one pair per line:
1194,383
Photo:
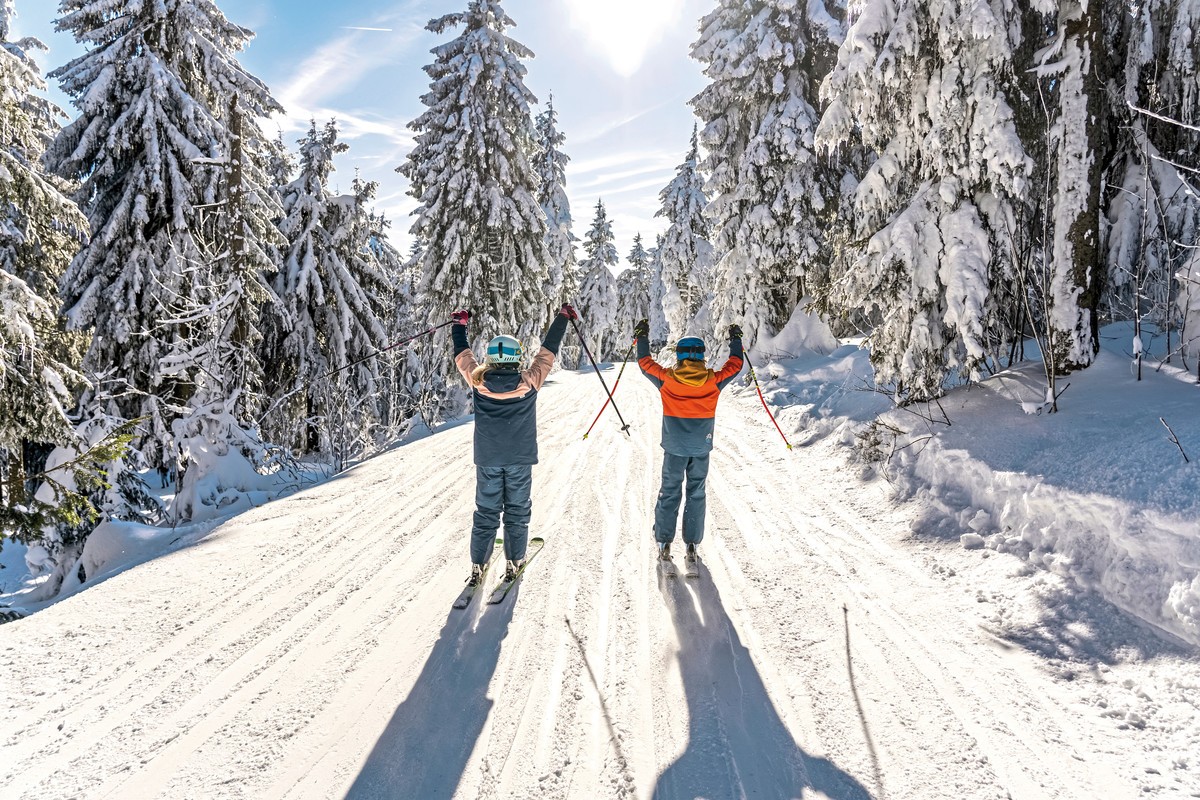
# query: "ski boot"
691,553
512,569
666,567
476,575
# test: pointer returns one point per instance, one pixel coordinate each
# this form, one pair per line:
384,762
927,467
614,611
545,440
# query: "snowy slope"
307,649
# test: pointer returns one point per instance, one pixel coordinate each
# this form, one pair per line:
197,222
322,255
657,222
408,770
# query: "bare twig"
1175,439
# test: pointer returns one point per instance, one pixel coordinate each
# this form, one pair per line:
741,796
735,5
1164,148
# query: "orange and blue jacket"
689,397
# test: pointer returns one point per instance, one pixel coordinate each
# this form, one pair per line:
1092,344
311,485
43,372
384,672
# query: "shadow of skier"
737,746
426,745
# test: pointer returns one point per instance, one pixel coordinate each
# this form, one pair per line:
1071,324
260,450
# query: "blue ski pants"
502,491
675,471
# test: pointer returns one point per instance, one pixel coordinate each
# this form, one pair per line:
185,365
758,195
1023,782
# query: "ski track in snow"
307,649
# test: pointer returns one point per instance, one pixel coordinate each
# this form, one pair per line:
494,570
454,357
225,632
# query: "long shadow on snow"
426,746
737,746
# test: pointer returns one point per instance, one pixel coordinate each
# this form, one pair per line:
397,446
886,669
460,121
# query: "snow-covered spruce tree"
40,228
598,300
333,292
659,330
154,92
472,174
402,317
685,254
420,362
35,391
633,291
599,308
927,84
551,165
772,196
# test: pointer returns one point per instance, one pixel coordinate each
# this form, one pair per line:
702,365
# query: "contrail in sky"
357,28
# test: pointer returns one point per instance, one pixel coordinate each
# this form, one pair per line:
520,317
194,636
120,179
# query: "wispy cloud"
610,126
619,164
340,64
362,28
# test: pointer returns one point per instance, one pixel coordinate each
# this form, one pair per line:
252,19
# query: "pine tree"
633,290
927,84
40,227
660,331
598,300
685,254
472,174
36,395
551,165
40,230
772,196
333,292
154,90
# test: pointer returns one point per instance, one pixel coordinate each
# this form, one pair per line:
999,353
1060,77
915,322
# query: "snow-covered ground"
844,640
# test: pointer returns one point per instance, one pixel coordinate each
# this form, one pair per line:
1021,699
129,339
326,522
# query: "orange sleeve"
652,368
732,367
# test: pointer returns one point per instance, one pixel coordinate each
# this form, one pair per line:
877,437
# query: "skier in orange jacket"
689,396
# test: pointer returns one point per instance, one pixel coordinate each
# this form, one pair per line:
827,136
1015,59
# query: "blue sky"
619,70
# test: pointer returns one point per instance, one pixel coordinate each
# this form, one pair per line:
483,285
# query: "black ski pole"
391,346
616,383
595,366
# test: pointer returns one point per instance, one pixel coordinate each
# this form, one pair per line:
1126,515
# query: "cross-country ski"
510,578
477,578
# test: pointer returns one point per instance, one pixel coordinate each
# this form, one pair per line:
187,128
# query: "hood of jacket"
692,373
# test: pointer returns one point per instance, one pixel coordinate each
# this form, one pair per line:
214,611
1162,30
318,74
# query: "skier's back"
689,395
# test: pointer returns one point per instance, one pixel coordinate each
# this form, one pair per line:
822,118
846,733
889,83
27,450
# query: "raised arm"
646,364
544,360
733,365
464,359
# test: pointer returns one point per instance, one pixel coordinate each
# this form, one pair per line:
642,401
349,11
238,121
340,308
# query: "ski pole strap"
616,383
754,378
391,346
595,366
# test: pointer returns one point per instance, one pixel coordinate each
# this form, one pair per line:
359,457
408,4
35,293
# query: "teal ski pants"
676,471
502,492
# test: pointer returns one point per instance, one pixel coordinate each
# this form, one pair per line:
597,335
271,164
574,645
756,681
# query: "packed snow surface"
841,642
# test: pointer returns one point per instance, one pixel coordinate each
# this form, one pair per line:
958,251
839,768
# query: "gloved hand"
642,328
735,331
460,317
569,311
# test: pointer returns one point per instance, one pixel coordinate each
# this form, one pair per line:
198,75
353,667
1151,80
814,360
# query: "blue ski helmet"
690,347
504,350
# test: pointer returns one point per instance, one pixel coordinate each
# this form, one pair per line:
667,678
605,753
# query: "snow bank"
820,391
1143,561
1096,493
115,546
221,481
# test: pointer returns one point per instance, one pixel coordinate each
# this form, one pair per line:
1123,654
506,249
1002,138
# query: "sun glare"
624,30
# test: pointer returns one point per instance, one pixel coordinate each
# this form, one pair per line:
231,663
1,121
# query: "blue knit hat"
690,347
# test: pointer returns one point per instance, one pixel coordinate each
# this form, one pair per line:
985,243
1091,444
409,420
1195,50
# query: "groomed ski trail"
307,649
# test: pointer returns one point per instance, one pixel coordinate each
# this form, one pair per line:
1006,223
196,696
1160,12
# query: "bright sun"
624,29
